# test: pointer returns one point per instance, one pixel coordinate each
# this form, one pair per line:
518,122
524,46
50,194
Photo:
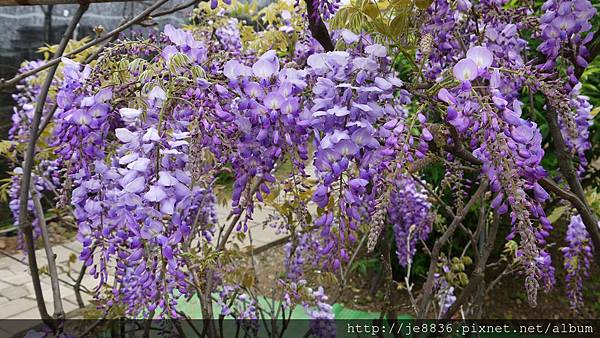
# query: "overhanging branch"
55,2
24,222
88,45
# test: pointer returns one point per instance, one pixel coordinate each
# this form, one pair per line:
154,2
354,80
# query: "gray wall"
22,27
22,33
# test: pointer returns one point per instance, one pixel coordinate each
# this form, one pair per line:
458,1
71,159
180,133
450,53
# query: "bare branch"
59,312
479,273
109,35
177,8
317,26
222,241
77,286
567,169
24,222
439,243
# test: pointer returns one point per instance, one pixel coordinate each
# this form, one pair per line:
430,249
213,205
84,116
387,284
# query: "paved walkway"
17,298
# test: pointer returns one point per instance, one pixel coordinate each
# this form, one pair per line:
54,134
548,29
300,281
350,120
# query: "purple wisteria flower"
577,257
490,116
410,214
465,70
563,25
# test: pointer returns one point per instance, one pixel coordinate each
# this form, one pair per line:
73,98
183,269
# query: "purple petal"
346,147
482,56
135,186
155,194
465,70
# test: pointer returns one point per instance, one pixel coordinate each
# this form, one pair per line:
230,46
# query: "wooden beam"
55,2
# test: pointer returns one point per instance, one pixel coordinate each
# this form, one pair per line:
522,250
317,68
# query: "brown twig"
24,222
59,312
222,241
77,286
567,169
317,27
478,274
177,8
96,41
439,243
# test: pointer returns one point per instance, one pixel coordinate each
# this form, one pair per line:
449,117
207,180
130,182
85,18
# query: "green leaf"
556,214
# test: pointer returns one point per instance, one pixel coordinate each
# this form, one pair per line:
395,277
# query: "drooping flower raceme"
137,204
138,149
509,147
46,171
577,257
360,136
562,28
410,215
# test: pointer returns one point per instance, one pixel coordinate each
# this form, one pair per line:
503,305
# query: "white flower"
129,114
155,194
124,135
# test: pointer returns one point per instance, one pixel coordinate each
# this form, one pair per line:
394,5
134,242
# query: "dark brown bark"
317,27
478,275
567,169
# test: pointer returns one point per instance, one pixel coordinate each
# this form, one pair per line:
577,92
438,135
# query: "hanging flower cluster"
48,179
510,149
562,27
263,103
577,257
485,110
134,196
410,215
322,324
139,142
360,133
565,34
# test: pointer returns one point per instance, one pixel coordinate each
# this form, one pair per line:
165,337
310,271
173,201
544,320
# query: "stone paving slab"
17,280
18,297
3,284
264,235
46,289
14,307
14,292
63,254
84,296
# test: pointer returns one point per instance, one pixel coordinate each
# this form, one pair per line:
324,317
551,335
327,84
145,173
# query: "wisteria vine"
138,145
